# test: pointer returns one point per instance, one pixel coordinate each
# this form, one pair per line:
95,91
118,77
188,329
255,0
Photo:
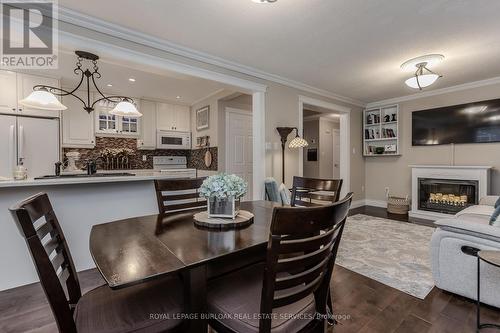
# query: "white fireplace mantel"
479,173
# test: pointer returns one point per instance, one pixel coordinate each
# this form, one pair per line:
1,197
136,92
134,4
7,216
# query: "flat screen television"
477,122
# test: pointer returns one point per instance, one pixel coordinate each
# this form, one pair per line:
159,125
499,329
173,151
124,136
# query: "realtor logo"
29,34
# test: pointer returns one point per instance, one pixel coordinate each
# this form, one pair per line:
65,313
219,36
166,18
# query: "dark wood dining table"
135,250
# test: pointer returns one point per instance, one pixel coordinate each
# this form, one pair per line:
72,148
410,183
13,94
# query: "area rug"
391,252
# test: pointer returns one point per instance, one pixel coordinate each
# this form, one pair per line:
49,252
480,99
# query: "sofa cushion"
480,229
489,200
284,194
476,213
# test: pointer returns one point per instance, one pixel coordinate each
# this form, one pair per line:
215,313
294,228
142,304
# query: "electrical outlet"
144,158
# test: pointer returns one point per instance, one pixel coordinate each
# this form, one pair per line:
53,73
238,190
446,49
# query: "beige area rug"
394,253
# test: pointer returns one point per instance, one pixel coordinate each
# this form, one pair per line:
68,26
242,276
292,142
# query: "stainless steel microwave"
173,140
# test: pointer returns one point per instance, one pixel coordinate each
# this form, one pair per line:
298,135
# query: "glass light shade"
43,100
298,142
125,109
425,80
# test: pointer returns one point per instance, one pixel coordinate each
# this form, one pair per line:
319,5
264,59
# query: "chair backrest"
175,195
47,245
328,190
301,252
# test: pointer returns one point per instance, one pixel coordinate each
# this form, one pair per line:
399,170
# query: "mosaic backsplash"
194,157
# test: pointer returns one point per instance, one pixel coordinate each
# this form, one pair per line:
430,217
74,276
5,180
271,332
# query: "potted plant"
223,193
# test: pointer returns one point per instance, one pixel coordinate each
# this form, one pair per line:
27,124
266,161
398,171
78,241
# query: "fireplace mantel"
479,173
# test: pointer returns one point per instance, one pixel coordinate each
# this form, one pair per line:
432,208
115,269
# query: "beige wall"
394,172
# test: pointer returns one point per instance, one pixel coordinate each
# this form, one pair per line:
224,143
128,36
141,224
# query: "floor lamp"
297,142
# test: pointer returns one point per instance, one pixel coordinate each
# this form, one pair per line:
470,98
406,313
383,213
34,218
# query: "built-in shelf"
381,131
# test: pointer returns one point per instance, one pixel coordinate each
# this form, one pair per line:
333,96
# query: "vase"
223,207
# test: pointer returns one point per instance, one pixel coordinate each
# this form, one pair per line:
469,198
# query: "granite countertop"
139,175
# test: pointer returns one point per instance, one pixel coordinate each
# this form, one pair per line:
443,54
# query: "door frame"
334,131
227,111
345,138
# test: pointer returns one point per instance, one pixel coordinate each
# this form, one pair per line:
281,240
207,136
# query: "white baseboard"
357,203
376,203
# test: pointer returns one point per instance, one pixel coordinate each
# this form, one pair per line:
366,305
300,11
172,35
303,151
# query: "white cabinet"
8,92
173,117
77,124
147,138
16,86
109,125
25,84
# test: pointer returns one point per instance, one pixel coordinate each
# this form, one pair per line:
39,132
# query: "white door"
77,124
38,144
336,153
239,146
8,92
25,87
7,145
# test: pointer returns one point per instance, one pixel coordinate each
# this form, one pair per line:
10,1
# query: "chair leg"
329,310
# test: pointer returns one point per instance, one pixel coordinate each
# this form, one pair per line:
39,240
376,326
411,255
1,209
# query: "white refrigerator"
35,140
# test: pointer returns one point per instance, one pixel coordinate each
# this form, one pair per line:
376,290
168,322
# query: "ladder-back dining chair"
293,283
322,191
175,195
102,309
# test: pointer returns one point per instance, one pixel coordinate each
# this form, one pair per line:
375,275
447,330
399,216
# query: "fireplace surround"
440,191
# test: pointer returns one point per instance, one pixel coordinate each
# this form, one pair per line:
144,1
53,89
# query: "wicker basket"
398,205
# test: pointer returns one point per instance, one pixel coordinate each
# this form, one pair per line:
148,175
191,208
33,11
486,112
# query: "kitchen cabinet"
25,84
147,139
77,124
110,125
171,117
16,86
8,92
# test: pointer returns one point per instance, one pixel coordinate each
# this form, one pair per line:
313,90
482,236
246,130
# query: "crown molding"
212,94
88,22
460,87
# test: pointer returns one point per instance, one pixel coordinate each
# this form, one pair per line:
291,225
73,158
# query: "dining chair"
102,309
176,195
288,302
320,190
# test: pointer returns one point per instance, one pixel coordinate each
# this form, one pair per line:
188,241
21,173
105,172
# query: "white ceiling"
353,48
150,83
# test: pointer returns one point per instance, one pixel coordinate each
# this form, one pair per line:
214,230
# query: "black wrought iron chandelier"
44,97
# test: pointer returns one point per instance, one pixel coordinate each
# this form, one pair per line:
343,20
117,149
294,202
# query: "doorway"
327,155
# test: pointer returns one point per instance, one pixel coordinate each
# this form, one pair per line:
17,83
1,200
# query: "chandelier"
44,97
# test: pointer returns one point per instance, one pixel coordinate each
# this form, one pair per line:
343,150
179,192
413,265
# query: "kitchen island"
79,203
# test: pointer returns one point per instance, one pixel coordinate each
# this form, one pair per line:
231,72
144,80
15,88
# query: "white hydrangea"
223,186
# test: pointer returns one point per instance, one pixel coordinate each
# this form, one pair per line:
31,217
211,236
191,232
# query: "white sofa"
455,271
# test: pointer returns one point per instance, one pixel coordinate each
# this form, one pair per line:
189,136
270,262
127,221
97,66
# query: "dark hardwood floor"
361,304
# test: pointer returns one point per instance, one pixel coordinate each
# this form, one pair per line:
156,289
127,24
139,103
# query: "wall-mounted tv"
477,122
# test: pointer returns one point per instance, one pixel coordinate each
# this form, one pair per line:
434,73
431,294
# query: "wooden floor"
361,304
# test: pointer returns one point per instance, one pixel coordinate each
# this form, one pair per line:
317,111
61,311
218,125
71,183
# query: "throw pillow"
284,194
497,203
494,221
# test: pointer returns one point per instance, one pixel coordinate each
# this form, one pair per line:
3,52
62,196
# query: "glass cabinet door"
107,123
129,125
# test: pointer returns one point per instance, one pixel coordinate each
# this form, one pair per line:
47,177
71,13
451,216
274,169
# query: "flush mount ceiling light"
264,1
423,76
44,97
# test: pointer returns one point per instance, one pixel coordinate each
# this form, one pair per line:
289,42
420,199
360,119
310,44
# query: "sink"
100,174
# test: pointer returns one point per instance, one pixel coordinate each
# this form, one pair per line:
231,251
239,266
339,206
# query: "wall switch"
144,158
354,151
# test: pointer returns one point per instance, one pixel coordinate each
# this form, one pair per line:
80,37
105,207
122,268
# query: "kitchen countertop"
140,175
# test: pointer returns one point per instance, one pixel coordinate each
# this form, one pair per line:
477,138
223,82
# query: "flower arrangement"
223,186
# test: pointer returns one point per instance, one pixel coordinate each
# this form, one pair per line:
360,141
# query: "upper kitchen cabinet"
110,125
147,139
77,124
173,117
25,84
8,92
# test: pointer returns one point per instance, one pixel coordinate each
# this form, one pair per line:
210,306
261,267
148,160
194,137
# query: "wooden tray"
243,219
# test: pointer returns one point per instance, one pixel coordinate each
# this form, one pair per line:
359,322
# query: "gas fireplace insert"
447,196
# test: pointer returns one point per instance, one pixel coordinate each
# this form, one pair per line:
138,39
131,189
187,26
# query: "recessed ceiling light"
178,97
131,79
109,85
264,1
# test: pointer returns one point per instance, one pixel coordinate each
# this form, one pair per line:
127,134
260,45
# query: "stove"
173,166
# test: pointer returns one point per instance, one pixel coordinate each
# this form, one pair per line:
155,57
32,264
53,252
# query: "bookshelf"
381,131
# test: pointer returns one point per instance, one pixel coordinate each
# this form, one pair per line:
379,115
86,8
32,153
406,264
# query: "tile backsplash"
194,157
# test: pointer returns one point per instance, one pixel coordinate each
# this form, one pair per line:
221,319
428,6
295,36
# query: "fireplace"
448,196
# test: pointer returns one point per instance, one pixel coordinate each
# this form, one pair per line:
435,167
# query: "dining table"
139,249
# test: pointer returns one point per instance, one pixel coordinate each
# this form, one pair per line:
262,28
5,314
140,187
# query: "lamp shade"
298,142
125,109
424,80
43,100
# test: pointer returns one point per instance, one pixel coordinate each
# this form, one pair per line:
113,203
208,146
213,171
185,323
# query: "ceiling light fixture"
423,76
44,97
264,1
178,97
109,85
131,79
